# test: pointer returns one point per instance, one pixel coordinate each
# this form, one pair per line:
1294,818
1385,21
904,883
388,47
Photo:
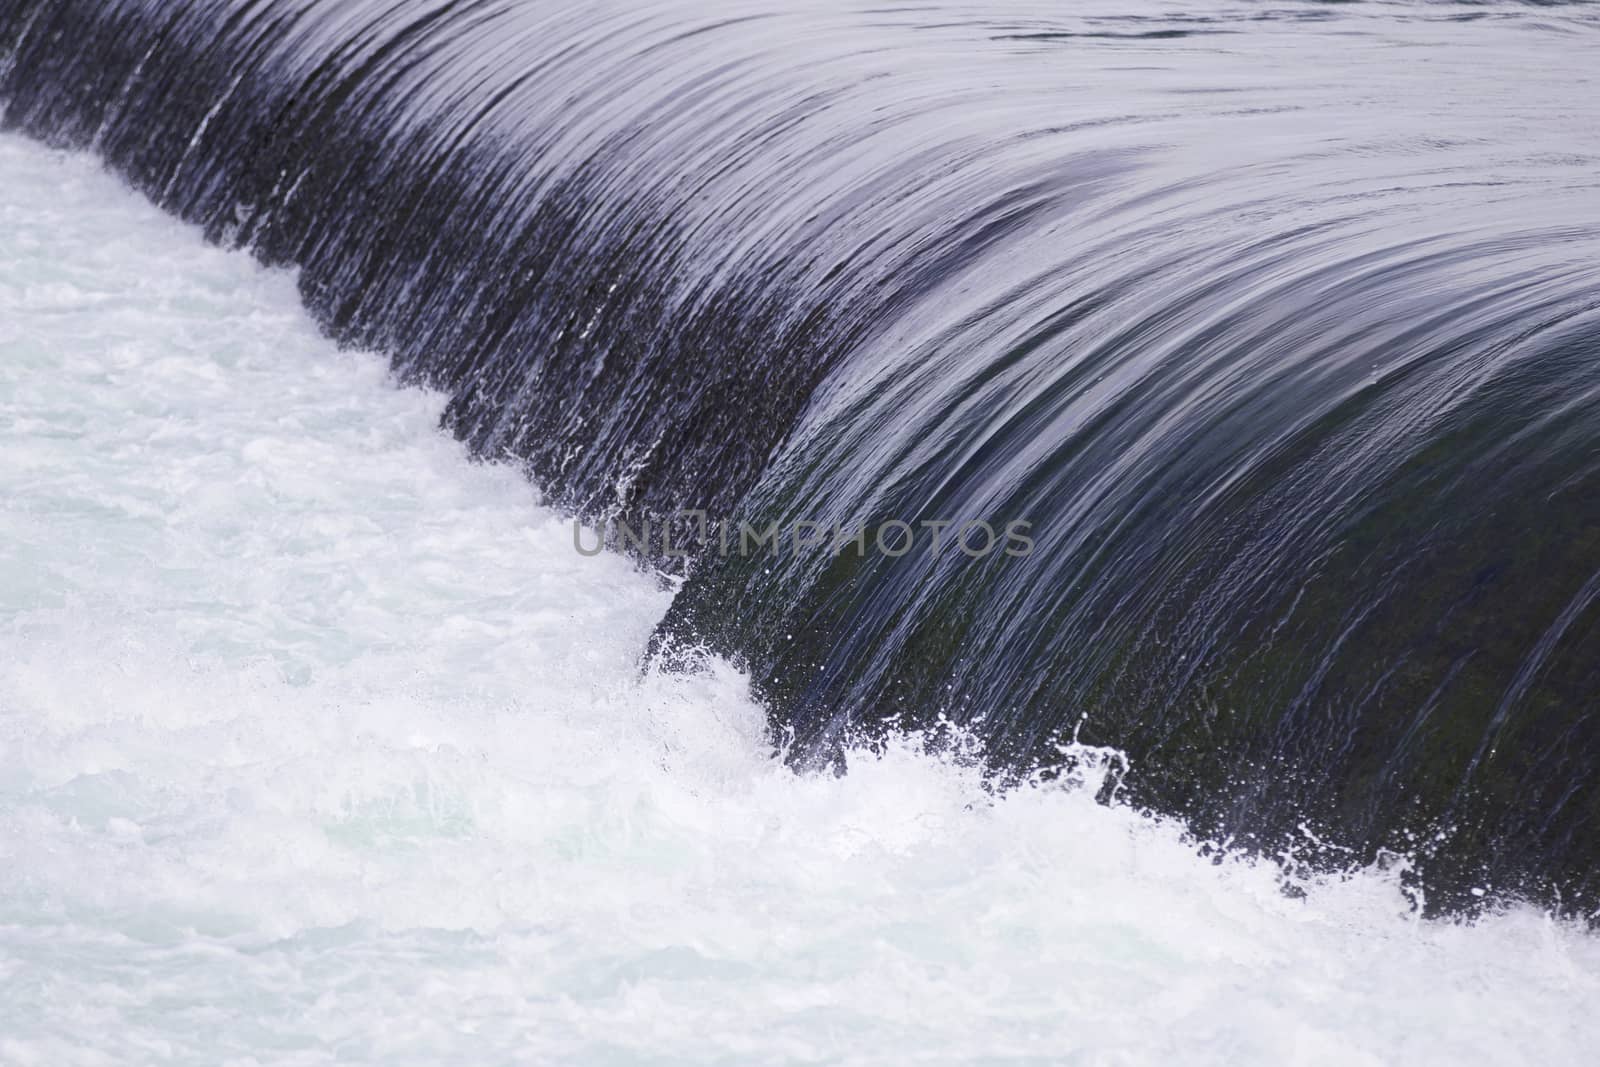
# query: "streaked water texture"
1279,322
318,745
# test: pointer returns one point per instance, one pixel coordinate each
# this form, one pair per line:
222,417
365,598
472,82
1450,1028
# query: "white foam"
319,743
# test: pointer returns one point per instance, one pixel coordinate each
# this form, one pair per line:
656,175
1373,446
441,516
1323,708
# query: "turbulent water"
1276,326
1279,324
319,743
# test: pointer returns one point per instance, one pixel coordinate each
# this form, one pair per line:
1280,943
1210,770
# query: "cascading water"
1279,326
319,744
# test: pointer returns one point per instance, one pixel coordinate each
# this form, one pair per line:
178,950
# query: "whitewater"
320,743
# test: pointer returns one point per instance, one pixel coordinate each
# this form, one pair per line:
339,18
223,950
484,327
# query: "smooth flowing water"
1278,323
320,744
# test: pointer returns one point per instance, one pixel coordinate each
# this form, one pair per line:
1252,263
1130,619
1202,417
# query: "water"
1276,321
320,744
